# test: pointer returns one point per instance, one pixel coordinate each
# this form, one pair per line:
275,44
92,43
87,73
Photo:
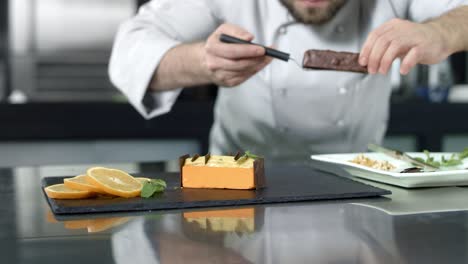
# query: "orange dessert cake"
240,172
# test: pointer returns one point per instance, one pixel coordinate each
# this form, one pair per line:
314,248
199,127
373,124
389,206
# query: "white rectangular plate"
454,176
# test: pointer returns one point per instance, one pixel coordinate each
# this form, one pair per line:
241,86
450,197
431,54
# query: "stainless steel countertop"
410,226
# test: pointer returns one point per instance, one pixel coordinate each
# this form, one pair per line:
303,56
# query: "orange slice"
79,183
76,224
60,191
99,225
50,217
114,182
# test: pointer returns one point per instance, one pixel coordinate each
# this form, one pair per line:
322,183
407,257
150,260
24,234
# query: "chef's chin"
313,12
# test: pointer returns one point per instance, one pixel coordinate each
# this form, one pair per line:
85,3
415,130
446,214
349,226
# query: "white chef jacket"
283,112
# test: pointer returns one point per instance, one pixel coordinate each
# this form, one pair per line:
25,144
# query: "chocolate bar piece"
332,60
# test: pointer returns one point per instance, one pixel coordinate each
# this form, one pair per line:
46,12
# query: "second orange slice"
79,183
114,182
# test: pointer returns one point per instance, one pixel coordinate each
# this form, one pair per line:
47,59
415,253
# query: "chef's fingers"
233,51
265,63
251,72
255,69
410,60
370,41
219,63
232,30
390,55
234,78
378,51
229,78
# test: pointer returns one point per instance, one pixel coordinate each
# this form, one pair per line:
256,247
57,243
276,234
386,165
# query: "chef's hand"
412,42
232,64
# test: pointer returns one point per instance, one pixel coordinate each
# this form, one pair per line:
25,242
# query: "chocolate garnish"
333,60
207,158
259,173
195,157
238,155
182,160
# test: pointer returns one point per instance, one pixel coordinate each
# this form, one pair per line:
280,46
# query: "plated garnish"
152,187
400,155
361,159
404,175
105,182
432,162
453,160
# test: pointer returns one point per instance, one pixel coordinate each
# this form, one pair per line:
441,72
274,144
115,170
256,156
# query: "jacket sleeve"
421,10
142,41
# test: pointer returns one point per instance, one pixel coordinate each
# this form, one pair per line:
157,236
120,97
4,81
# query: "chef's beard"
315,15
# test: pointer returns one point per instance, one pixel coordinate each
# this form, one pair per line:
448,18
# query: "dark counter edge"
428,122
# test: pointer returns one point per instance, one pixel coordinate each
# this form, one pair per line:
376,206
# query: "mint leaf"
159,182
152,187
428,154
246,156
419,159
454,160
147,190
463,155
250,155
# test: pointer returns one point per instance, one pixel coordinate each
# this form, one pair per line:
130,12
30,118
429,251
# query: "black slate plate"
285,184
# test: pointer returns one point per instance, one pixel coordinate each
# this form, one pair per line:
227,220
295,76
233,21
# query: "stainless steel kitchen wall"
4,46
61,48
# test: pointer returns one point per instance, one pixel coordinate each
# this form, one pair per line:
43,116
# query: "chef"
276,108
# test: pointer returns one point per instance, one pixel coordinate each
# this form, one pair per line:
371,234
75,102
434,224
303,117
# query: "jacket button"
283,92
339,29
283,30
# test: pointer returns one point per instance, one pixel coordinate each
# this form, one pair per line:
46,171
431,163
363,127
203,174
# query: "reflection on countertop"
318,233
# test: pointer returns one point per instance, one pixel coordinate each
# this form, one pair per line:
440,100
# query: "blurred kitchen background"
58,105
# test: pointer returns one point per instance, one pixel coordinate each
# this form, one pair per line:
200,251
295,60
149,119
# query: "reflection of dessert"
102,224
222,172
236,220
215,227
375,164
